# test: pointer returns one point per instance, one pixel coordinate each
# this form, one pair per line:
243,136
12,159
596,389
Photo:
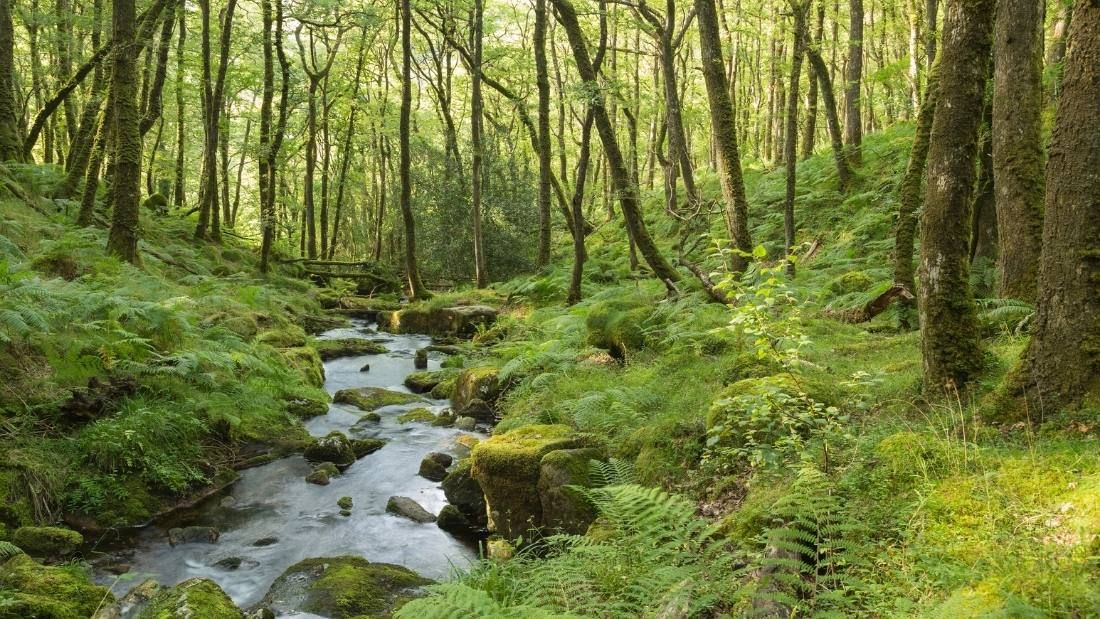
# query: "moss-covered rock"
417,415
196,598
287,336
507,466
372,398
465,494
463,320
561,472
434,466
307,363
334,447
424,382
366,446
852,281
452,520
351,347
726,405
322,474
473,385
617,326
29,590
343,588
445,388
47,541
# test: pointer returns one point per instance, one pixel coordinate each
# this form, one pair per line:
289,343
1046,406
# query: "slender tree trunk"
983,228
122,240
799,9
853,124
416,286
240,174
266,169
723,125
1017,144
843,169
809,135
542,78
179,197
480,275
1062,363
949,327
345,152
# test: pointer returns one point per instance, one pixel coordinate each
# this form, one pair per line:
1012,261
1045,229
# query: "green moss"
618,326
852,281
480,383
445,388
197,598
351,347
417,415
287,336
371,398
307,363
29,590
344,588
907,455
345,502
426,381
47,541
366,446
726,406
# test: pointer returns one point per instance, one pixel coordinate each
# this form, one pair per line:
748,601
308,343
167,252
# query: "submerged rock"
265,541
47,541
464,493
366,446
461,320
197,598
408,508
371,418
323,474
352,347
32,590
420,361
193,535
333,447
342,588
371,398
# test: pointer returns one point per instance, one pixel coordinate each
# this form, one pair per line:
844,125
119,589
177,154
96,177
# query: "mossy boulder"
465,494
564,507
287,336
322,474
307,407
307,363
425,382
463,320
196,598
434,466
368,399
366,446
47,541
508,466
334,447
474,388
852,281
417,415
618,326
444,389
30,590
350,347
452,520
343,588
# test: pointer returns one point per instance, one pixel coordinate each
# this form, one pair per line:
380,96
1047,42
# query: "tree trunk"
809,134
624,185
1017,144
799,8
723,124
179,197
983,215
10,147
843,169
950,346
542,78
480,275
122,240
345,152
1056,53
853,124
416,286
1062,363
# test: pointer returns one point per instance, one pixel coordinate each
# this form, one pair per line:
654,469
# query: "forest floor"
763,454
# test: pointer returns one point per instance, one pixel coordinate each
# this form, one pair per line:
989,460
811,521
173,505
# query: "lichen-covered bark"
949,327
1017,146
1062,362
9,119
123,237
723,124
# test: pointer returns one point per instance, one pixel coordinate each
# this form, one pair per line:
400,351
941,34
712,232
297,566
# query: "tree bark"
950,344
9,115
983,229
853,124
1017,144
179,197
412,272
122,239
843,169
809,134
481,277
1062,363
542,79
723,125
799,8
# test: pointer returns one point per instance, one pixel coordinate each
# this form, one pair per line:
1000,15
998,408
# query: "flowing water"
274,501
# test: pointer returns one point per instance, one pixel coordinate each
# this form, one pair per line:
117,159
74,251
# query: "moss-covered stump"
334,447
196,598
368,399
507,466
29,590
425,382
463,320
417,415
343,588
47,541
351,347
475,390
564,508
306,361
465,494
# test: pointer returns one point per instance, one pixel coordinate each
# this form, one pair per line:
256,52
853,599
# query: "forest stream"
273,502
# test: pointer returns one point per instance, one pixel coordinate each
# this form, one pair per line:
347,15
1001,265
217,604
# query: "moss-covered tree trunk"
832,119
853,122
1062,363
481,277
266,169
179,198
624,185
122,239
723,125
412,271
950,347
542,81
1017,144
809,133
983,216
799,8
10,143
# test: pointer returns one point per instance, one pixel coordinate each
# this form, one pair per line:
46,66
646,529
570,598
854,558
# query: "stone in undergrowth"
434,466
464,493
366,446
408,508
371,398
507,467
565,508
333,447
192,535
306,362
323,474
47,541
196,597
500,549
342,588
